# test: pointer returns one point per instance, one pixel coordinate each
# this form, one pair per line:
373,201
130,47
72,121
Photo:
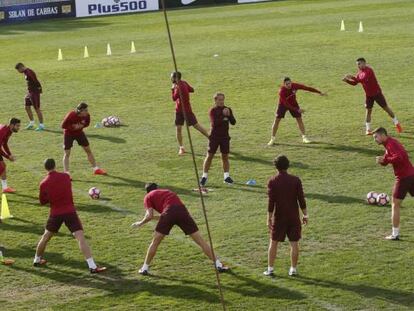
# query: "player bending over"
73,125
288,102
373,93
396,155
5,132
220,117
33,96
184,107
56,190
285,197
172,212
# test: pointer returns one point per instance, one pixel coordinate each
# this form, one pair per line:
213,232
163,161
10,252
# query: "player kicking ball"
172,212
373,93
73,125
220,117
56,190
288,102
396,155
183,89
5,132
33,96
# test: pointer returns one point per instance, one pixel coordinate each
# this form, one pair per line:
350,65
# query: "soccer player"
220,117
73,125
33,96
396,155
373,93
172,212
285,197
184,107
56,190
5,132
4,261
288,102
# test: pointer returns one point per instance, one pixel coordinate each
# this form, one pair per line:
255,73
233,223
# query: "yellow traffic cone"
108,50
85,52
5,212
60,56
133,50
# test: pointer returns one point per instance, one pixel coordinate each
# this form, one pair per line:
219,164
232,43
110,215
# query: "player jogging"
73,125
396,155
5,132
373,93
56,190
172,212
285,197
220,117
185,89
33,96
288,102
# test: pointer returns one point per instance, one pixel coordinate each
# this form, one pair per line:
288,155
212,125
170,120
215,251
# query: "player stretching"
373,92
73,125
285,197
56,190
287,102
5,132
172,212
186,89
33,96
220,117
396,155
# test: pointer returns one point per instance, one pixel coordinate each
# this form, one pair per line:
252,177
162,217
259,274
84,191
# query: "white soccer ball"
372,197
105,122
383,199
116,121
94,193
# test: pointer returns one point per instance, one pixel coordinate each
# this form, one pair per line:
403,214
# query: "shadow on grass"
335,147
334,198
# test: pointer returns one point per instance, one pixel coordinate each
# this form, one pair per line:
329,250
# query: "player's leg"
380,99
28,104
369,104
201,129
3,174
152,250
226,168
66,157
275,127
395,218
86,250
271,257
41,246
83,141
301,126
294,257
206,166
40,117
206,248
179,136
4,261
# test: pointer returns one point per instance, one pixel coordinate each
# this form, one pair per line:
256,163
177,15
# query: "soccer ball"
383,199
372,198
105,122
116,121
94,193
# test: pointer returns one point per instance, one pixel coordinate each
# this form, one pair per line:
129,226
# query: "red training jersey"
287,97
219,122
161,200
33,85
368,80
396,155
56,189
185,89
5,133
72,119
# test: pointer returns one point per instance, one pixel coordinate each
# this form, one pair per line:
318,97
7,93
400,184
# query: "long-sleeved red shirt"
368,80
5,133
33,84
56,189
185,89
396,155
72,119
161,200
285,195
219,122
287,97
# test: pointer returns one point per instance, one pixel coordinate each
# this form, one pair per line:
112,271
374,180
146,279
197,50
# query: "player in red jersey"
288,102
5,132
220,117
33,96
373,92
172,212
397,156
56,190
185,107
73,125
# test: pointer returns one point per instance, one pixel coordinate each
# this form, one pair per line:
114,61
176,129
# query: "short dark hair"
151,186
18,65
380,130
50,164
81,106
281,162
361,59
286,79
176,74
14,121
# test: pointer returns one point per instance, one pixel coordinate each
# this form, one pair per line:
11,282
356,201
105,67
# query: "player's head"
150,187
219,99
82,109
14,125
175,76
20,67
361,63
281,162
50,164
380,135
287,82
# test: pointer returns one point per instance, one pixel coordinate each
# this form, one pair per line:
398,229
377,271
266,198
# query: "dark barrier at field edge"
21,13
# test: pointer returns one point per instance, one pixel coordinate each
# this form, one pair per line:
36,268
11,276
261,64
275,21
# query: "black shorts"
379,99
191,118
176,215
32,99
291,230
402,187
72,222
81,139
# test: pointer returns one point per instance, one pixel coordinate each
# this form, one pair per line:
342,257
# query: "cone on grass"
5,212
342,25
133,50
361,28
60,55
108,50
85,52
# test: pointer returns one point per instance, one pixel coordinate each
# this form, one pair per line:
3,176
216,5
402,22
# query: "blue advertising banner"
27,12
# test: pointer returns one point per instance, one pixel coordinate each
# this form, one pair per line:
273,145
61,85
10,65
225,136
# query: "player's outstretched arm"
149,215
